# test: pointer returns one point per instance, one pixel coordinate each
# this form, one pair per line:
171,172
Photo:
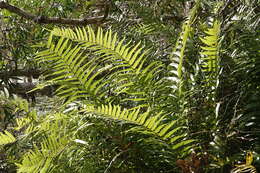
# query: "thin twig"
114,159
50,20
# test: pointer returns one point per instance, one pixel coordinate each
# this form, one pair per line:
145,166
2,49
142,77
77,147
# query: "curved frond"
71,70
99,64
107,44
168,132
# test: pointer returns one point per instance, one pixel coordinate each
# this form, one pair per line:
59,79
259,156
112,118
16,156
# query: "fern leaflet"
6,138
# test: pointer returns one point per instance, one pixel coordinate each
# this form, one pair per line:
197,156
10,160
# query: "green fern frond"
6,138
144,29
154,124
52,123
105,43
22,122
177,57
26,121
209,54
70,70
179,49
77,71
178,53
40,158
52,141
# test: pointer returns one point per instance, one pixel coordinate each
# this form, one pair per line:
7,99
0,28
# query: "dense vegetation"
130,86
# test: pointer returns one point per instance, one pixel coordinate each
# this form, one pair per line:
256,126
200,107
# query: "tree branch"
49,20
35,73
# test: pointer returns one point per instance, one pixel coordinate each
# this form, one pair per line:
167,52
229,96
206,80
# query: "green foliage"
209,53
6,138
153,123
89,67
118,111
178,52
145,29
117,61
40,158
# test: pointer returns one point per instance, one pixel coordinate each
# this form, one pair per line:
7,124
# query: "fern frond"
177,57
209,54
144,29
179,49
40,158
22,122
70,70
178,53
165,131
105,43
52,123
52,141
75,70
6,138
